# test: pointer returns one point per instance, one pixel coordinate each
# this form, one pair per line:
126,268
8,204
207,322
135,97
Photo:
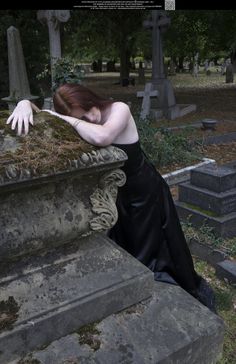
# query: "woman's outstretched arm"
100,134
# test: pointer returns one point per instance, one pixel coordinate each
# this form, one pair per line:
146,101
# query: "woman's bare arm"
100,135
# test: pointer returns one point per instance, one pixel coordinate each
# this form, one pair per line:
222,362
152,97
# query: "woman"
148,226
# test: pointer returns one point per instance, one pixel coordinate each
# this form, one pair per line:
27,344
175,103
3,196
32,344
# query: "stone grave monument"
53,18
165,104
210,198
229,74
18,81
146,103
60,273
59,270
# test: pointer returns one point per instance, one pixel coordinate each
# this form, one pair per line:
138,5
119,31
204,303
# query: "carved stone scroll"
103,200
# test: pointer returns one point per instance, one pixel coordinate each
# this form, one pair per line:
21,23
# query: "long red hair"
71,96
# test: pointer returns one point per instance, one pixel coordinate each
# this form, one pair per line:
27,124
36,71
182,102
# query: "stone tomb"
59,270
210,197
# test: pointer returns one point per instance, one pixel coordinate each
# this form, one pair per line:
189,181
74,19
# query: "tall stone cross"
53,19
146,104
159,23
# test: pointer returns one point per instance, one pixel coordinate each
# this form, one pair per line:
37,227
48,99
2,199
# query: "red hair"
71,96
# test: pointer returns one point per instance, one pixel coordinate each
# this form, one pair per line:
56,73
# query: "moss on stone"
197,208
49,147
87,335
8,313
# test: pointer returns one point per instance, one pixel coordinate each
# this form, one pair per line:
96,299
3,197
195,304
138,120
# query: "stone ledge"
183,174
171,327
63,291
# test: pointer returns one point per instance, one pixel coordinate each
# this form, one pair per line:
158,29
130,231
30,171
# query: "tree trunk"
124,61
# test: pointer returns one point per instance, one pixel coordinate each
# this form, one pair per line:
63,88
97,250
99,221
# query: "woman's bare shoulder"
120,105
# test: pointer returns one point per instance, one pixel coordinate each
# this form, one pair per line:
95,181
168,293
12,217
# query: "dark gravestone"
210,198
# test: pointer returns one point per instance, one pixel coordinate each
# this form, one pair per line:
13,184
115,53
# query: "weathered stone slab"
170,327
215,178
227,270
206,252
61,291
218,203
224,226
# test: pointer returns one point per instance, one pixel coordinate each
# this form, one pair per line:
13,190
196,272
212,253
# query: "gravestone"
60,274
229,74
53,18
196,66
18,80
146,103
210,198
165,105
58,269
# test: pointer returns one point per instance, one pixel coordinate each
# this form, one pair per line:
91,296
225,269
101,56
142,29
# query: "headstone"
53,19
196,66
210,198
229,75
146,95
58,269
222,68
165,105
18,79
206,65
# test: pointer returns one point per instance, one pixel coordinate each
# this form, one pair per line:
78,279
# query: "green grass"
226,308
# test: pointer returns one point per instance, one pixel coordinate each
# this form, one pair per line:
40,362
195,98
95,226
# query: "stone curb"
183,174
225,269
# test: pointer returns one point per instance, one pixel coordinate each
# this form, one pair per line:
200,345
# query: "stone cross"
159,23
18,81
146,94
53,19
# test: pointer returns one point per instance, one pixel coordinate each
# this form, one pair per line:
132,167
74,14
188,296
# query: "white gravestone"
18,81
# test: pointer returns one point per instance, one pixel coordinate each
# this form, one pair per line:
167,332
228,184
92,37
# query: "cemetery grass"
214,100
226,308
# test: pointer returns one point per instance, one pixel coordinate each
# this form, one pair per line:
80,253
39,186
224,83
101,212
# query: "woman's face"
93,115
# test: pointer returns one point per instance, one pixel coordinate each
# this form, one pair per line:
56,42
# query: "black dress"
148,226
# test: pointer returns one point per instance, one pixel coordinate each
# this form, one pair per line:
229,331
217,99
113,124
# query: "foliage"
164,147
226,305
64,71
206,235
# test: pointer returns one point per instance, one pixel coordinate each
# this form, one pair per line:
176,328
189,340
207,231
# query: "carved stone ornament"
103,200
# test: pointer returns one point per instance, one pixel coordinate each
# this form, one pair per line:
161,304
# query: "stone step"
215,178
224,226
171,327
218,203
68,288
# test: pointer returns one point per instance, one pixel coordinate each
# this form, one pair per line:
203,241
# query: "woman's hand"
21,117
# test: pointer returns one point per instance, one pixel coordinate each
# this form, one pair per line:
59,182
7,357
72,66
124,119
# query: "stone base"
224,226
172,112
12,102
171,327
61,291
219,204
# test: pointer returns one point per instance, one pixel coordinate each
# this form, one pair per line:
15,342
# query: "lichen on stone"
49,147
8,313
